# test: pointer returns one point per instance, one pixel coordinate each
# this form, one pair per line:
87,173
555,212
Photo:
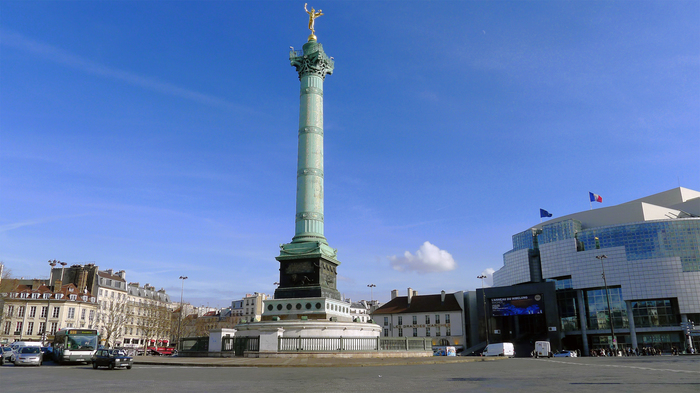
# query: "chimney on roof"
35,284
394,294
411,293
122,274
442,297
58,286
109,271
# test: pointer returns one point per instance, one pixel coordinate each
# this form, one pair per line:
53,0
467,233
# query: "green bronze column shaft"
313,65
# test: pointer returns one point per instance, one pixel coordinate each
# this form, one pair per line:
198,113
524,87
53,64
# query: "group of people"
644,351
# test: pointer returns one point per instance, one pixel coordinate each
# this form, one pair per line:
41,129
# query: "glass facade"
566,303
597,308
653,313
559,231
647,240
526,240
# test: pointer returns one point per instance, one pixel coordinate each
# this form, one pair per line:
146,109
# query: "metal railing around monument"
240,345
352,344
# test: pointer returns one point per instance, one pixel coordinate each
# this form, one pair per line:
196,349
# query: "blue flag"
544,213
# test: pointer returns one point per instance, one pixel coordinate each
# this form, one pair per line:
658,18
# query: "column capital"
311,60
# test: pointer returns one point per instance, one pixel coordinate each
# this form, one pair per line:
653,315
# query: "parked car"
5,355
18,345
565,354
27,356
111,358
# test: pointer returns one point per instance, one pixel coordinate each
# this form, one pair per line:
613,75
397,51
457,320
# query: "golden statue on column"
313,14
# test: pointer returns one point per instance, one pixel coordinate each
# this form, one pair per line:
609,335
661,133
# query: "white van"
500,349
542,349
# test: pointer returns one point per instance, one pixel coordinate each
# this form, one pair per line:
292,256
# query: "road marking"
616,365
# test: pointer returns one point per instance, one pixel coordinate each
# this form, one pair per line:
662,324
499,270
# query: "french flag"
595,197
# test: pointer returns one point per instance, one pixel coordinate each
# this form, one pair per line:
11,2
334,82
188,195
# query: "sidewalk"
303,362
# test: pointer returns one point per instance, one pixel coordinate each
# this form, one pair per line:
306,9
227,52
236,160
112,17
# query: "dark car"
111,358
47,353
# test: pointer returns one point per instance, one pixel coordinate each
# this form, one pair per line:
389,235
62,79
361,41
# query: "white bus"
75,345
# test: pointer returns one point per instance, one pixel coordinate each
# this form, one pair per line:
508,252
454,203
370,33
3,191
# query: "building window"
448,331
71,313
415,320
92,314
54,326
400,320
19,327
415,332
427,332
30,328
32,311
437,318
447,318
400,332
386,321
44,311
42,328
654,313
82,314
56,310
437,332
8,324
20,311
597,308
386,332
10,310
427,319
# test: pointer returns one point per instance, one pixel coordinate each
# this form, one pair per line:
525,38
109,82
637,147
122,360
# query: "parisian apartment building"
34,310
439,317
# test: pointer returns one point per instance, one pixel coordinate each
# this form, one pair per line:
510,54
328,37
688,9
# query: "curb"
340,363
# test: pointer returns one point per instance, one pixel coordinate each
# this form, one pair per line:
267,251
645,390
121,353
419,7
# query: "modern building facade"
440,317
648,250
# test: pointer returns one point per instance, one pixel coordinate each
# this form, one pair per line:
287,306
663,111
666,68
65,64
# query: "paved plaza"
635,374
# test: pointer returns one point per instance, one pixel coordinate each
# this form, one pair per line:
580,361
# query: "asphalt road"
655,374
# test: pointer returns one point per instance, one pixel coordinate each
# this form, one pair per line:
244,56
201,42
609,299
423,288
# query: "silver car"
28,356
5,355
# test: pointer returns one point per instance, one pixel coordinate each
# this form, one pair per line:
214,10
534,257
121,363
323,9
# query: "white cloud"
488,281
428,259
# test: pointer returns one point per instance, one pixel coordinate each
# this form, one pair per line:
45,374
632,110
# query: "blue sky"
160,137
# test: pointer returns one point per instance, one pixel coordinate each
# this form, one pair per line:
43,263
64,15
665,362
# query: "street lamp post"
182,309
44,336
371,296
486,316
607,297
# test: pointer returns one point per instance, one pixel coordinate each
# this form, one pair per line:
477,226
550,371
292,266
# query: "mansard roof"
420,304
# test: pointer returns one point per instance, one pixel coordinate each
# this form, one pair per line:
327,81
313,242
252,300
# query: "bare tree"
112,315
155,322
8,284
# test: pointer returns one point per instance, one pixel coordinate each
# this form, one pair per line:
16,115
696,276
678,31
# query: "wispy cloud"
37,221
60,56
